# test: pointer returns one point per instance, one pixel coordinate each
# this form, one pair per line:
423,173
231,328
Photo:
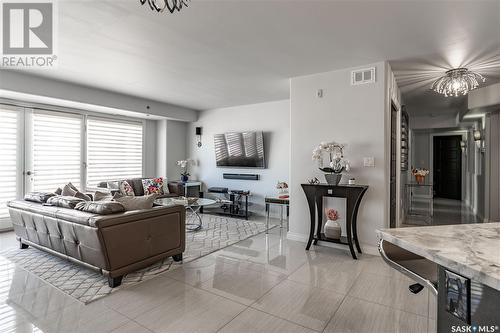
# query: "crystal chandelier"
161,5
457,81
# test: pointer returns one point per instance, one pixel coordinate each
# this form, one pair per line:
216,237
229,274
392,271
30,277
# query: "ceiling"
223,53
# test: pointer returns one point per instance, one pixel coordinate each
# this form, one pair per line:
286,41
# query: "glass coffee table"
193,219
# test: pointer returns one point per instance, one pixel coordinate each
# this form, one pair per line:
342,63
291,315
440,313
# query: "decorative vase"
419,179
332,229
333,178
184,178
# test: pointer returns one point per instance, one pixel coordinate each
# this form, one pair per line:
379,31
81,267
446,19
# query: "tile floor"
263,284
446,211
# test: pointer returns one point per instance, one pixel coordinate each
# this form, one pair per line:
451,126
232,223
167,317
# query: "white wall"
272,118
440,121
492,168
355,115
176,147
150,148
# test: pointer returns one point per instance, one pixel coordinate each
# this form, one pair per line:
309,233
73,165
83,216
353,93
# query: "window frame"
27,108
125,120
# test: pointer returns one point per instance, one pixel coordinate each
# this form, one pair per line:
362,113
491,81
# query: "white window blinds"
8,159
56,155
114,150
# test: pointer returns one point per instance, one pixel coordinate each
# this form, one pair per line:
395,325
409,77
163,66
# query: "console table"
353,195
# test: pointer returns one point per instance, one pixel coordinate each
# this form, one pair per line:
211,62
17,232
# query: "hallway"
446,211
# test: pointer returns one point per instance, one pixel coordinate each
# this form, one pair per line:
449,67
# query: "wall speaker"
241,176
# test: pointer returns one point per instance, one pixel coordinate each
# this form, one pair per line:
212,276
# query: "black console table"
352,193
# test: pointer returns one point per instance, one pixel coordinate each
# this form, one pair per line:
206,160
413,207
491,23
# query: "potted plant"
420,175
336,161
184,164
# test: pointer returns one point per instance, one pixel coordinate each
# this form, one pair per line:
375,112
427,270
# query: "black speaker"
240,176
198,130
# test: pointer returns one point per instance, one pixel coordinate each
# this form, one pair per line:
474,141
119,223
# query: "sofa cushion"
102,196
100,207
64,201
40,197
153,185
83,196
136,184
68,190
135,203
126,188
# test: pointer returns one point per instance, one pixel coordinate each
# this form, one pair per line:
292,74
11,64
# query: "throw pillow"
40,197
113,185
166,190
101,207
73,187
153,186
64,201
126,188
102,196
135,203
58,191
68,191
82,196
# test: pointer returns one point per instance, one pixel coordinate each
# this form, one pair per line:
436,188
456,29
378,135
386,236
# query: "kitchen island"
466,262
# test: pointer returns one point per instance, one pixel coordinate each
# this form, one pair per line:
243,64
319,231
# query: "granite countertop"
472,250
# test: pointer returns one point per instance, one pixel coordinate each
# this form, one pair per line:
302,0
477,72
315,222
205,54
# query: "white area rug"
86,285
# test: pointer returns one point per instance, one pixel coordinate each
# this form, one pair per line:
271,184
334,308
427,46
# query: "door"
447,167
53,150
394,154
11,160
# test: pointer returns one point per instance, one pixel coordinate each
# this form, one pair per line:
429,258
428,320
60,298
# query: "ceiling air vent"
362,76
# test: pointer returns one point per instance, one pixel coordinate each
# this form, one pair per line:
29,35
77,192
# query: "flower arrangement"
282,188
335,153
184,164
332,214
420,174
282,185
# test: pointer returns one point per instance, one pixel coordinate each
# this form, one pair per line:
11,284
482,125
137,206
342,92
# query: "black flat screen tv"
240,150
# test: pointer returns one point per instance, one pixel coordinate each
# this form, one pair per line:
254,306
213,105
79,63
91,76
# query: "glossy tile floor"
263,284
446,211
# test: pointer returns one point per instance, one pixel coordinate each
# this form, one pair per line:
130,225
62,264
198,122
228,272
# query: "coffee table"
193,219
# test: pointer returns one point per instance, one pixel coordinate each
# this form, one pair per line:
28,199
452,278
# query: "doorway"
394,154
447,167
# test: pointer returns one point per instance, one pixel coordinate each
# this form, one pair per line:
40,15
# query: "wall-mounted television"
240,150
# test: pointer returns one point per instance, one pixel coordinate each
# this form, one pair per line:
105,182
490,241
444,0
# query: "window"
114,150
9,131
55,151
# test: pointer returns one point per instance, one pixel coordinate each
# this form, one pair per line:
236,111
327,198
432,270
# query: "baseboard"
297,237
366,248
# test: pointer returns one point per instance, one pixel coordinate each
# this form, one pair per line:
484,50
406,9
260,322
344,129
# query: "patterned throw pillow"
126,189
153,186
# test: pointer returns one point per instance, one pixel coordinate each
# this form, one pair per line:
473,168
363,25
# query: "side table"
282,203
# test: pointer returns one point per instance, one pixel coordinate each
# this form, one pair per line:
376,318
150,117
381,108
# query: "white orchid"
335,152
184,164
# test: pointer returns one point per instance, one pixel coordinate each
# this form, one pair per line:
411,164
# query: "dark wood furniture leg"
312,214
177,257
114,281
355,222
349,235
22,245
